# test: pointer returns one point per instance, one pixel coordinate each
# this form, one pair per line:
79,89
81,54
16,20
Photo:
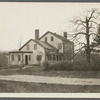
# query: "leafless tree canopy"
86,25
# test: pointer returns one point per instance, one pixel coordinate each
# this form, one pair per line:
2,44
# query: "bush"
95,66
46,65
80,66
72,66
61,66
3,60
58,66
84,66
15,66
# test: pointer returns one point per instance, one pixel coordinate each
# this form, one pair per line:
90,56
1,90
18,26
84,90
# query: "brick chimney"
65,34
36,34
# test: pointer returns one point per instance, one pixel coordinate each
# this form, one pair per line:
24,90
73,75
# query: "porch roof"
21,52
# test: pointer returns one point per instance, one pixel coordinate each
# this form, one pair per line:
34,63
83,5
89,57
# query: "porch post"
22,59
52,57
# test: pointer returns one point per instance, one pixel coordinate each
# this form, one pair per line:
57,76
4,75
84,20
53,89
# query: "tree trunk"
87,42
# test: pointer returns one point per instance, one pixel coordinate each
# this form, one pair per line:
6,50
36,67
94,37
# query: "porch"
20,58
54,55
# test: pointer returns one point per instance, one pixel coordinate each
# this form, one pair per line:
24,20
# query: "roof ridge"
58,36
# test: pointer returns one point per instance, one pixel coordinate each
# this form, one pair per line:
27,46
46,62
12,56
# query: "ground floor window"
60,57
29,57
54,57
49,57
39,57
19,57
12,57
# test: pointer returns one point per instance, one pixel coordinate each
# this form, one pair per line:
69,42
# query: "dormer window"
28,47
52,38
45,39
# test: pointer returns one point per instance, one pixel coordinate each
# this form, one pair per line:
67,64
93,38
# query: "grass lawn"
36,70
24,87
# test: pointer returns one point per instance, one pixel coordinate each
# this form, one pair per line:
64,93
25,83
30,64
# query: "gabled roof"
41,43
45,45
58,36
25,44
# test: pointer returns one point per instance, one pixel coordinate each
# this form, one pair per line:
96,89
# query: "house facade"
49,47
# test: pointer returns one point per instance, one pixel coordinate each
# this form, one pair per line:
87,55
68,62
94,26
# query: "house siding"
59,50
38,51
55,41
15,61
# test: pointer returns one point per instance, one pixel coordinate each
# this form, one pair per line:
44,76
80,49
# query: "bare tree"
85,25
20,43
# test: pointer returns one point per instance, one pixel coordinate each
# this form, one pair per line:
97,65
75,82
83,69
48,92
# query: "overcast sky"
19,20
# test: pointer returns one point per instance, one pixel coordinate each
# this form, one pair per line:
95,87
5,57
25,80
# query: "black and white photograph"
49,47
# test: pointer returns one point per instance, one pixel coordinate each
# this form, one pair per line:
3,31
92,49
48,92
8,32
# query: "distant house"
49,47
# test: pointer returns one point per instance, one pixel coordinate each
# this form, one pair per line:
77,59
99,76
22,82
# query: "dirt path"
51,80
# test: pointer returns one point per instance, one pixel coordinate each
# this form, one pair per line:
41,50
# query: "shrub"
61,66
46,65
84,66
58,66
73,66
95,66
3,60
16,66
80,66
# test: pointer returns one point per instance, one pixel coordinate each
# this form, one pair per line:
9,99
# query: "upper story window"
52,38
60,45
35,46
19,57
45,39
28,47
12,57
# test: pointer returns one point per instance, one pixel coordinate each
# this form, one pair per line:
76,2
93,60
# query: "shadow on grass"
24,87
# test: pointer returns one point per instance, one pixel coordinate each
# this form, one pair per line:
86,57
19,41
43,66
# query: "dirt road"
51,80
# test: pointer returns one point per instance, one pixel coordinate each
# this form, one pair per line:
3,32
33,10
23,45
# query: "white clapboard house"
49,47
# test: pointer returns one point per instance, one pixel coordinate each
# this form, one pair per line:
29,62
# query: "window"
39,57
29,57
52,38
19,57
45,39
60,45
12,57
60,57
35,46
28,47
49,58
54,58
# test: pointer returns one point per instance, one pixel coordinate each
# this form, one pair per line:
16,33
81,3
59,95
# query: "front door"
26,59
